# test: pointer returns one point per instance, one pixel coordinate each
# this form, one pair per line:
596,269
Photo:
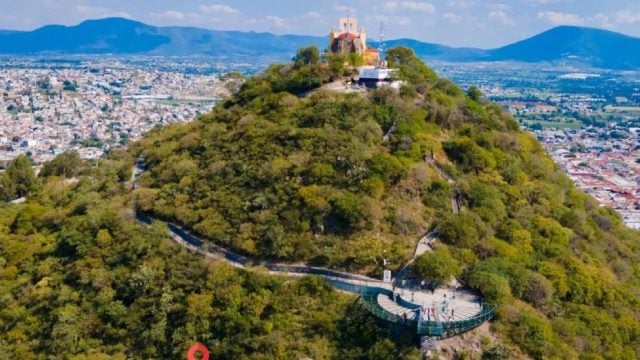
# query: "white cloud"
501,17
217,9
276,21
169,15
418,6
403,21
452,18
603,21
391,5
461,4
82,9
559,18
314,16
392,19
503,7
410,5
543,2
99,12
627,17
342,9
123,14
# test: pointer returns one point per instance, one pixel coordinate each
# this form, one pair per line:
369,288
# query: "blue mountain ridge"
586,46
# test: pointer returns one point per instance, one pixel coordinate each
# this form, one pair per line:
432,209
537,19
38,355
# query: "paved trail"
466,301
455,200
425,244
197,245
402,305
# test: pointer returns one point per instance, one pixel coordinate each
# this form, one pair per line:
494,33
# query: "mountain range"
578,45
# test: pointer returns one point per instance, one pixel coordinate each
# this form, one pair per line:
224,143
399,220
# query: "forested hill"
332,179
278,176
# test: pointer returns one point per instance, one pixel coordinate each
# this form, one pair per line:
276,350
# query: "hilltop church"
348,39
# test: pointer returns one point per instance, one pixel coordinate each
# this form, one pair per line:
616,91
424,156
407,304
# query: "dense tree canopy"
338,179
67,165
80,279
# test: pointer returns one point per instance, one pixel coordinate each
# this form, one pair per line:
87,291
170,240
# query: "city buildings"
92,105
603,162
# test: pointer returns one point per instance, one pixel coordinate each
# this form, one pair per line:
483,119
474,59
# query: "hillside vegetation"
80,279
339,180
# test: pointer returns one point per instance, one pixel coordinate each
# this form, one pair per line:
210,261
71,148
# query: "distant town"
605,166
587,119
554,96
93,104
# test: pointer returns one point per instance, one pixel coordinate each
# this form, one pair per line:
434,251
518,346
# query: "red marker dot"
191,354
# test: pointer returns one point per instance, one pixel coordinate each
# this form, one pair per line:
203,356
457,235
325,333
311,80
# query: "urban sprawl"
91,106
587,119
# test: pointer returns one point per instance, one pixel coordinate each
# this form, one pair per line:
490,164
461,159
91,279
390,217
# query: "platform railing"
442,328
369,299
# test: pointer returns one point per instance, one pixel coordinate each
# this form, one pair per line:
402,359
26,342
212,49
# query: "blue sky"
479,23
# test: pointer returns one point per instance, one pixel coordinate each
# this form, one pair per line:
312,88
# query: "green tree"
67,164
534,334
355,60
469,155
410,67
494,288
539,291
462,230
438,265
349,211
307,56
336,64
475,94
18,178
497,352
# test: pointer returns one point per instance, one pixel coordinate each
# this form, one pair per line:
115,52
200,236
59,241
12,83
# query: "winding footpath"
440,313
212,251
425,244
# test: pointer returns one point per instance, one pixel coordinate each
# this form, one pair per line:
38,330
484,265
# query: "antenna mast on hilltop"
381,49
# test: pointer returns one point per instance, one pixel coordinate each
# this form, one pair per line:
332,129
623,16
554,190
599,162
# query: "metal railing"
450,328
369,299
442,329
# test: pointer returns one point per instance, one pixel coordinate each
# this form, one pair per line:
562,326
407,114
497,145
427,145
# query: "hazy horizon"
320,35
459,23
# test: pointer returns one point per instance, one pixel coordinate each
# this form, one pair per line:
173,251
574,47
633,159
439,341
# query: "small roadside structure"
375,76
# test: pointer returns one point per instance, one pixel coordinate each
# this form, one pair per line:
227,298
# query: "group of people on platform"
443,311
